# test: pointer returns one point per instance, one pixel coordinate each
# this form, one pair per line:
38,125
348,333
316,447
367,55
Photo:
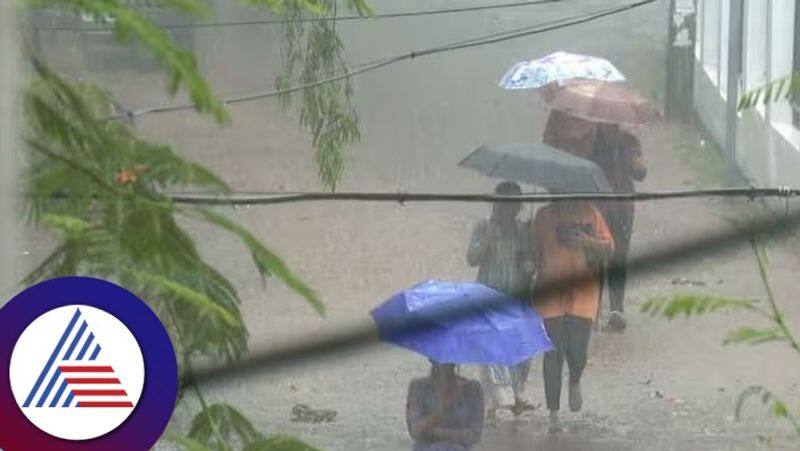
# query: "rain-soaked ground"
659,386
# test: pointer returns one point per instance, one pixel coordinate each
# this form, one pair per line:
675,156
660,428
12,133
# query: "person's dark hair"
435,364
508,188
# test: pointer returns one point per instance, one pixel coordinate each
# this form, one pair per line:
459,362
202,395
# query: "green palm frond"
753,336
694,305
786,88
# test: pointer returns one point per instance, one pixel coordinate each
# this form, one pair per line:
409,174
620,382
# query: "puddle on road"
585,432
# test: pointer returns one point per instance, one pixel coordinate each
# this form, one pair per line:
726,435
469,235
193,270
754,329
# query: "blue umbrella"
462,323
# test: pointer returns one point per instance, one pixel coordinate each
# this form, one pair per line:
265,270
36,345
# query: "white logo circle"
77,372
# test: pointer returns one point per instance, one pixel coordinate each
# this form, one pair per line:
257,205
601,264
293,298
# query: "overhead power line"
271,198
766,226
399,15
379,63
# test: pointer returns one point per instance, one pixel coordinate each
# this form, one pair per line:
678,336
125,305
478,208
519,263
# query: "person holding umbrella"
499,248
456,323
444,411
619,154
571,239
585,120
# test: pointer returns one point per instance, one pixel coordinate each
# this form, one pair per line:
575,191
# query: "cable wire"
379,63
272,198
319,19
766,226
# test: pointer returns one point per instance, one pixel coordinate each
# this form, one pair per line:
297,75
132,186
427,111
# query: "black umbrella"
538,164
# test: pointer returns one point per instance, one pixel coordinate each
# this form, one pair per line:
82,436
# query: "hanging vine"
313,51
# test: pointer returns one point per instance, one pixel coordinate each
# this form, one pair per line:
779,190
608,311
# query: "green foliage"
231,427
99,188
749,335
130,23
115,223
694,305
311,6
280,443
325,110
776,407
785,88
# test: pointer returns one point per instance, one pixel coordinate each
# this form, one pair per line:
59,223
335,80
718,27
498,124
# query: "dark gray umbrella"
538,164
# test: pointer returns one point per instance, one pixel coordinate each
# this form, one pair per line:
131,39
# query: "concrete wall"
765,156
709,105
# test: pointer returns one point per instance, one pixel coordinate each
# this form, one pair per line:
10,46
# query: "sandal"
521,406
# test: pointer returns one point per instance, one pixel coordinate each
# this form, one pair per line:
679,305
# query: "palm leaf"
753,336
784,88
693,305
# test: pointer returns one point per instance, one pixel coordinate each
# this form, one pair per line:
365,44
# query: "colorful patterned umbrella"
600,101
559,67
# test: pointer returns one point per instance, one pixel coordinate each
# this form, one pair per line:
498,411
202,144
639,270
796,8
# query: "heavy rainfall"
510,321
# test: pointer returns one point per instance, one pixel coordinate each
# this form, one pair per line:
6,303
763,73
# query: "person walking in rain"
571,240
619,155
500,248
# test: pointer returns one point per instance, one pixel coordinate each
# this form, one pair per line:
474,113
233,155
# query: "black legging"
620,223
570,336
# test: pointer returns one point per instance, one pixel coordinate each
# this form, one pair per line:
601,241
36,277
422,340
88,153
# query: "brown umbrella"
600,101
569,133
575,135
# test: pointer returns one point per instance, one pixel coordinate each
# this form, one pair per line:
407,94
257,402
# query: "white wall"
767,143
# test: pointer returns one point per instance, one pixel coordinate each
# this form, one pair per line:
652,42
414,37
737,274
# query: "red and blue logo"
90,367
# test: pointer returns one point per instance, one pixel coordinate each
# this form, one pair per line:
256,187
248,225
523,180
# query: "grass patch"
704,159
